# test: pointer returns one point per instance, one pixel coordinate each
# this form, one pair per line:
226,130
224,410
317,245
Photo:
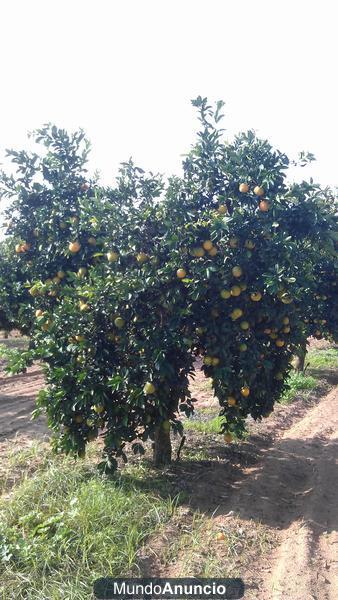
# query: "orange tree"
130,283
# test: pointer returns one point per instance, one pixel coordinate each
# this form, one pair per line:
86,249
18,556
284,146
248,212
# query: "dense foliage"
128,284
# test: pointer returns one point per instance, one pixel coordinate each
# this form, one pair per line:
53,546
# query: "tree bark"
300,359
162,446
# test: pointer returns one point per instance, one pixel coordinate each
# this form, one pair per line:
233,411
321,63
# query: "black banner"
154,588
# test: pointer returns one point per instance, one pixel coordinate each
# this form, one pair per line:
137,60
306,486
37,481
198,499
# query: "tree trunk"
300,359
162,446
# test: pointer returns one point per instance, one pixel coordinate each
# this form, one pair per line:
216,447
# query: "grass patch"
323,359
17,464
211,426
297,383
68,525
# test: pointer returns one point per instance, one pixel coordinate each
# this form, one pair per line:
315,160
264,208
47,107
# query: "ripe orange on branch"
245,391
207,245
112,256
259,191
74,247
235,290
243,188
256,296
264,206
198,252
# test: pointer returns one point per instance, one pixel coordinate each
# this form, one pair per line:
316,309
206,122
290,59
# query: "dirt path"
290,487
295,490
17,401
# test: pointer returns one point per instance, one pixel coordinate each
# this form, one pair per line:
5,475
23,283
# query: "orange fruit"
142,257
112,256
215,362
198,252
119,322
181,273
207,245
244,325
222,209
237,271
235,290
213,251
74,247
259,191
245,391
149,388
236,314
225,294
243,188
232,401
286,299
39,312
91,241
228,438
264,206
256,296
280,343
220,536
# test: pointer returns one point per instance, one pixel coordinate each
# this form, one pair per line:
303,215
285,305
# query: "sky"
126,71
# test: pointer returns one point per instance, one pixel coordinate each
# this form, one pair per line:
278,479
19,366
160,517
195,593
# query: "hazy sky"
125,71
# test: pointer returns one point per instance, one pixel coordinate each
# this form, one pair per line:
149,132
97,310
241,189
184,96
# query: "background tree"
14,311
